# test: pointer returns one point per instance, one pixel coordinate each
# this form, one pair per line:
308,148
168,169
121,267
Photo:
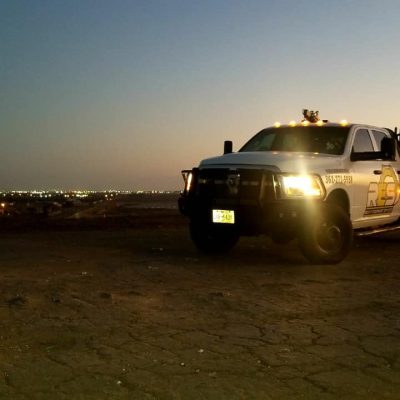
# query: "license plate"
223,216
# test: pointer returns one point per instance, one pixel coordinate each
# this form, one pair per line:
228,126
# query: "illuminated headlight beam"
297,186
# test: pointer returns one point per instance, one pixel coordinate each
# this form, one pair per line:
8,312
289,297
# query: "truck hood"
278,161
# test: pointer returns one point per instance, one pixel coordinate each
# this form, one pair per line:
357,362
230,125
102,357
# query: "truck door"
375,181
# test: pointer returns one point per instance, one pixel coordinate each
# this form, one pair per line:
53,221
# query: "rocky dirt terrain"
132,311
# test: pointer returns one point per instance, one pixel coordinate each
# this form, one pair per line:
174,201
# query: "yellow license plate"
223,216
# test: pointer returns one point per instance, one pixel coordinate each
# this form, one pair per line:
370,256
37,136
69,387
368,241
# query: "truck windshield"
313,139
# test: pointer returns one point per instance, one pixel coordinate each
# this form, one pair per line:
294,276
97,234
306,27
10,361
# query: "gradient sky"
124,94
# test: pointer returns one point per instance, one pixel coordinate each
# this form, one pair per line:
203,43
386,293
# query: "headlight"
300,186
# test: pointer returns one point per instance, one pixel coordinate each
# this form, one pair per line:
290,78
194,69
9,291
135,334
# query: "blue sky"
125,94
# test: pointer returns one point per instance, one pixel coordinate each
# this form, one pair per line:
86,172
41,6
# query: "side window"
362,142
378,136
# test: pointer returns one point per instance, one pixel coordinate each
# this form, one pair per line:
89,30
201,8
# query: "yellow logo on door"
383,195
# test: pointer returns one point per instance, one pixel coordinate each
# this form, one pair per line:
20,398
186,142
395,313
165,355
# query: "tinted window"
362,141
378,138
314,139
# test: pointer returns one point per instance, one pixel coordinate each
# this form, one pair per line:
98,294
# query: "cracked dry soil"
139,314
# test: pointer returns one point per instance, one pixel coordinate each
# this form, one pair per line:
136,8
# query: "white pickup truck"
314,181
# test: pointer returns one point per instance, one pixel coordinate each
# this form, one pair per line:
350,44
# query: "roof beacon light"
320,123
277,124
292,123
343,122
310,116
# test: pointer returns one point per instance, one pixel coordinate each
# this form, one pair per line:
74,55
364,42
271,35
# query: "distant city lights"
44,194
61,202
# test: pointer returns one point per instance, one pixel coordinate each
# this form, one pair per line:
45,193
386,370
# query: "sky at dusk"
124,94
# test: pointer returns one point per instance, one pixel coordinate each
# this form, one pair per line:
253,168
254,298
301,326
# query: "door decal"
384,194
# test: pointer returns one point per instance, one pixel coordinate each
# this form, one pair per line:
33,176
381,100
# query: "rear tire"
212,238
326,235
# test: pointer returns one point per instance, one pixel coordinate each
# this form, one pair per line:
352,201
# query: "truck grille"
240,185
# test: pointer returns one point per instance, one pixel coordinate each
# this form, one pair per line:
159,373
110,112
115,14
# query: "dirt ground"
134,312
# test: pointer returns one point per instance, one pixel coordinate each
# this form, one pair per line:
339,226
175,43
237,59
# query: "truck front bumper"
250,219
254,196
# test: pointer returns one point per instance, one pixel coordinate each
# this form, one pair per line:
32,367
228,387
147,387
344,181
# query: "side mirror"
228,146
388,148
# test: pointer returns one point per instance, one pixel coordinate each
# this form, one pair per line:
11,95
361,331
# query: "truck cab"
314,181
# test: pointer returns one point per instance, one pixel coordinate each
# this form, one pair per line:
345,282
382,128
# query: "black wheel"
212,238
326,235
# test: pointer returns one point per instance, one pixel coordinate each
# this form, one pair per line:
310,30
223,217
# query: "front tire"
326,235
212,238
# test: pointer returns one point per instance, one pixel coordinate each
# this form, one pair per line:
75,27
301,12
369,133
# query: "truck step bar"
383,229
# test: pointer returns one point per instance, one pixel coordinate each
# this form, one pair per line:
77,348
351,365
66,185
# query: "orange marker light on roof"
305,123
343,122
320,122
292,123
277,124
